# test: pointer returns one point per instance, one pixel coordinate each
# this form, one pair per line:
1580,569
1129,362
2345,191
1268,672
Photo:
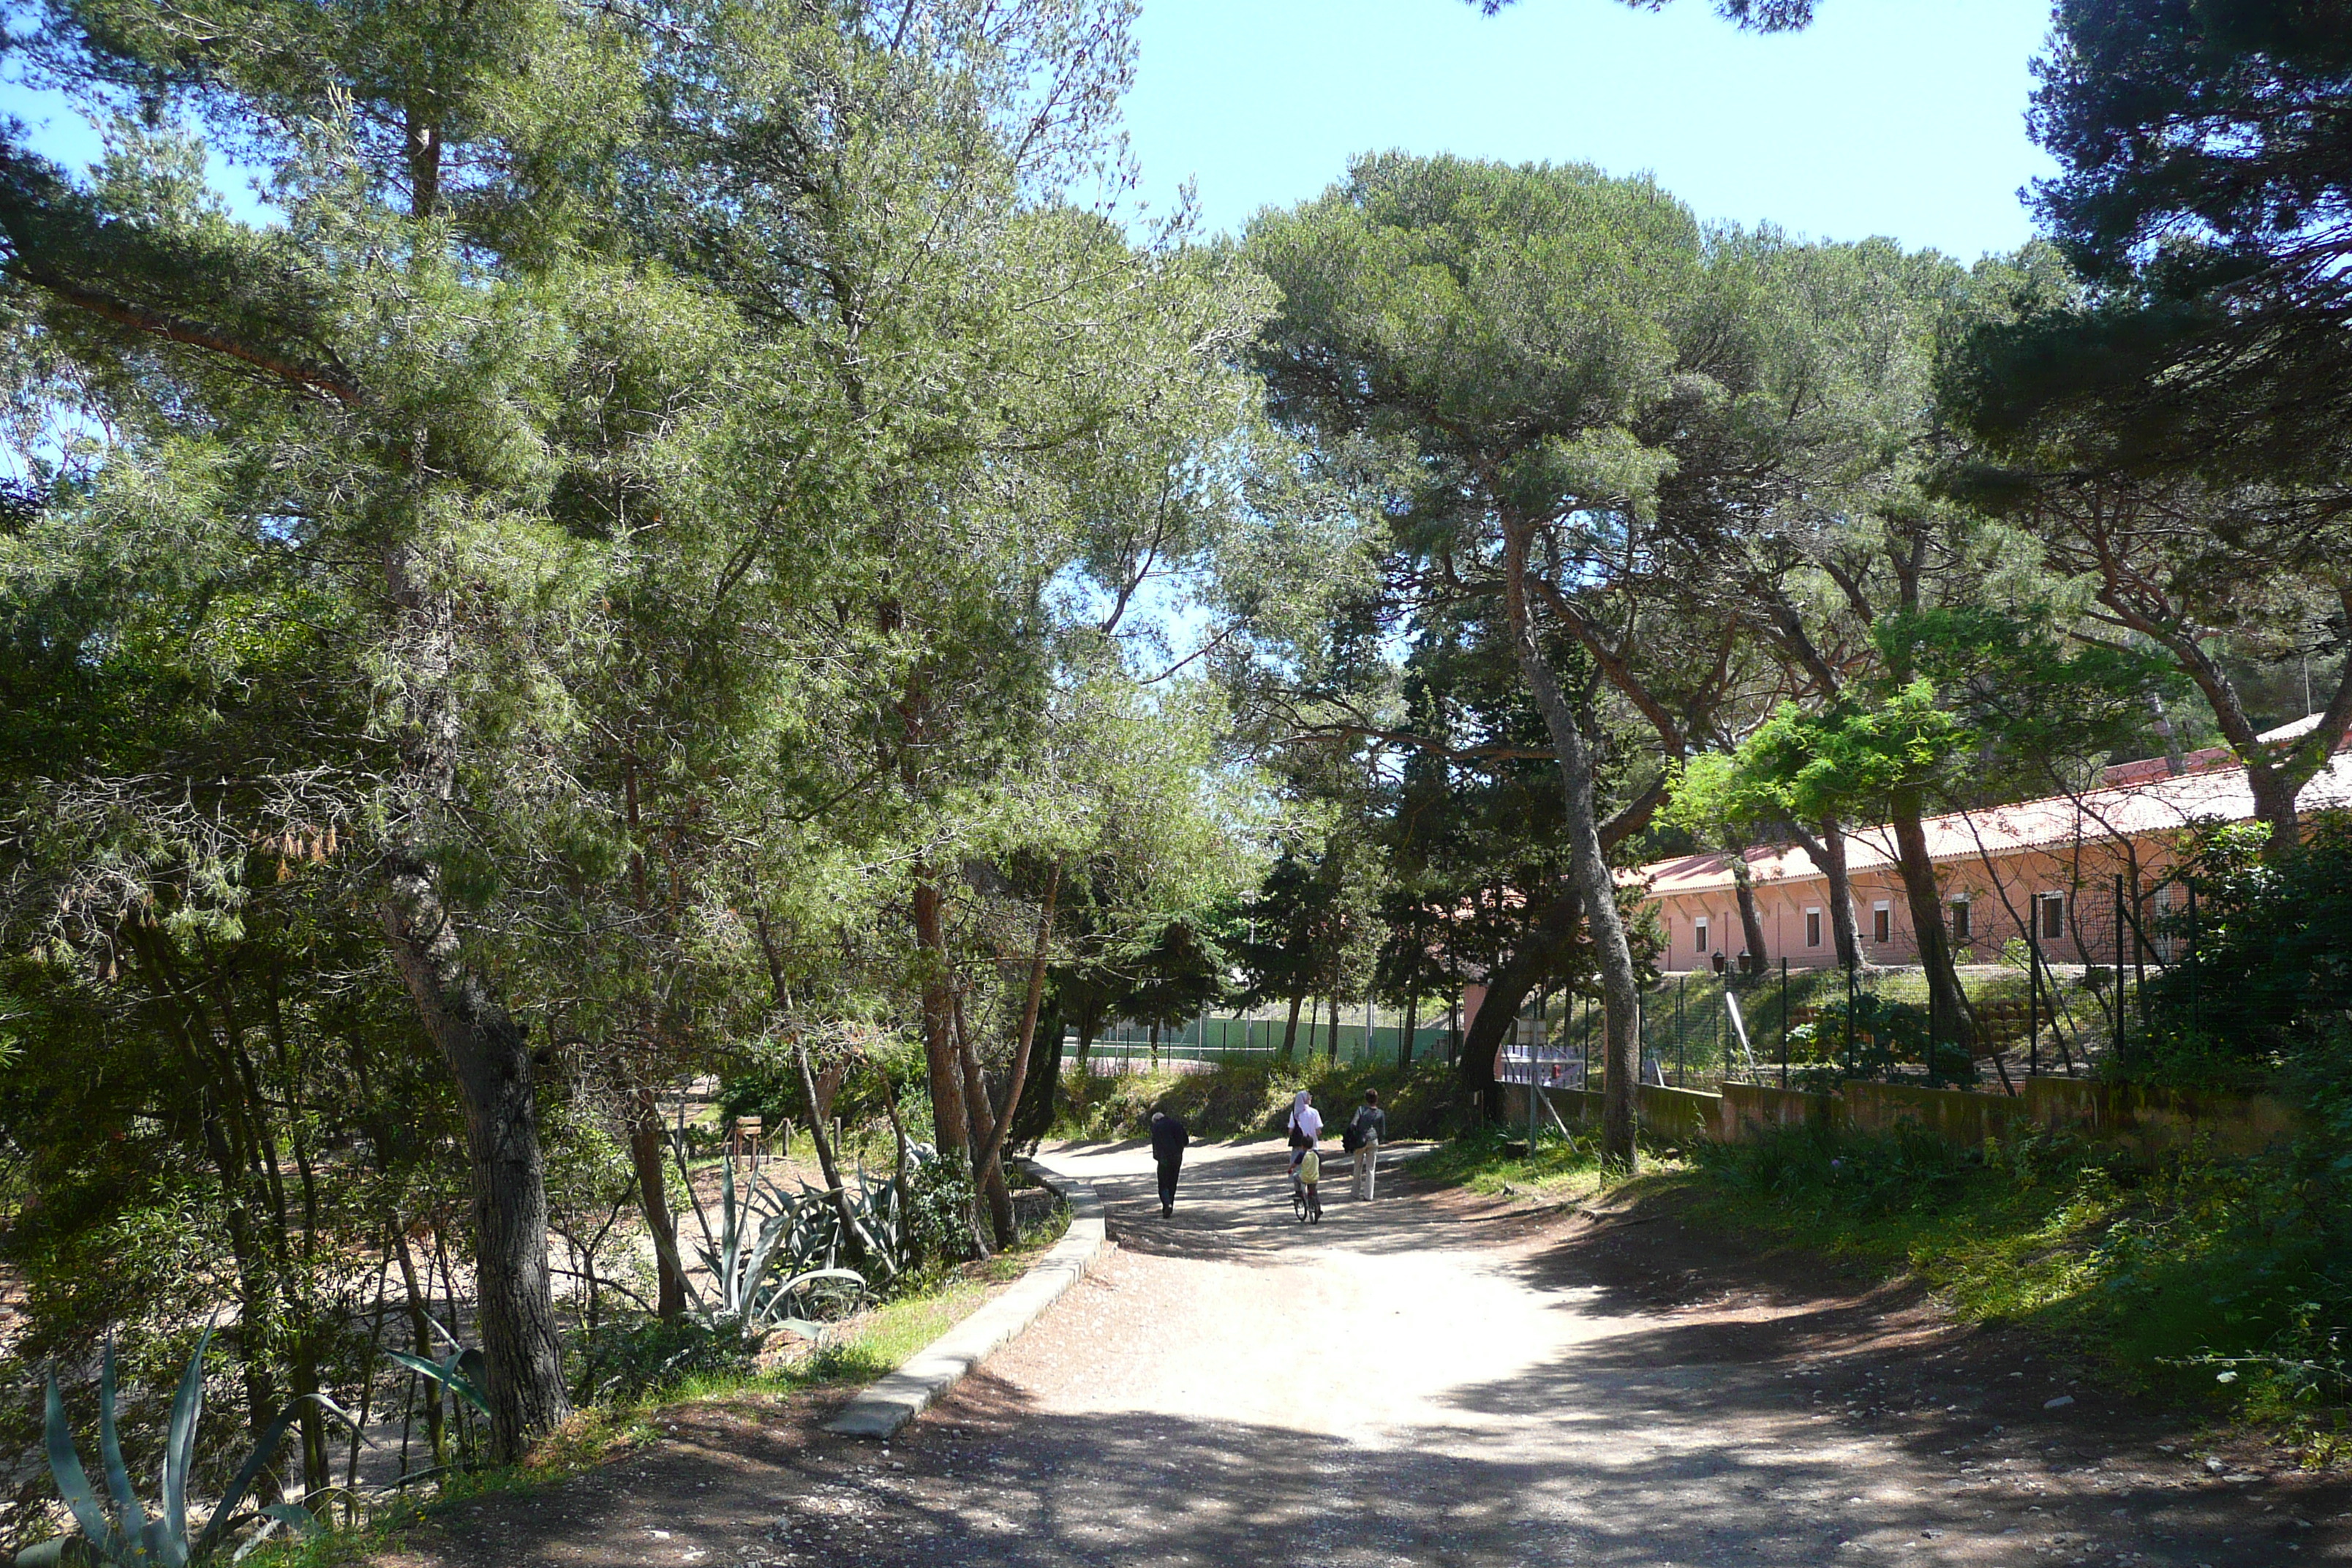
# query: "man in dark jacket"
1168,1140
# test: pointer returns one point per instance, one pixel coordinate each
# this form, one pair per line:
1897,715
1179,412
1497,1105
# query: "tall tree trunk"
1290,1030
1331,1046
943,1069
1751,924
1411,1016
1841,915
482,1044
1040,1100
1828,853
1031,1001
1588,864
2275,793
489,1057
1949,1018
988,1170
1507,984
648,1146
828,1165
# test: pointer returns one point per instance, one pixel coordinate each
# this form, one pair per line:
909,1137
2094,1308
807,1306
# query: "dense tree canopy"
712,541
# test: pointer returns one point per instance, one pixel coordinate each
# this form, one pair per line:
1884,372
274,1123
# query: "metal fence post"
1784,1020
2120,965
1849,1018
2195,1014
2033,987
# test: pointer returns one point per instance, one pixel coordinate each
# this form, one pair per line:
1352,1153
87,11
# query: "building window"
1959,920
1812,928
1699,936
2053,915
1882,922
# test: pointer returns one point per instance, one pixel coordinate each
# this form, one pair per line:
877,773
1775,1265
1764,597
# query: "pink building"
2052,862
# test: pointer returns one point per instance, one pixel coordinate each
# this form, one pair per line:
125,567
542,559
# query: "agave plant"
757,1227
114,1528
462,1372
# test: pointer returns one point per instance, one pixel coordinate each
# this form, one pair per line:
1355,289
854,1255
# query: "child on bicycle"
1305,1165
1305,1127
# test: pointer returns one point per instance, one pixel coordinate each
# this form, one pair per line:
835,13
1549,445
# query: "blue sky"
1903,118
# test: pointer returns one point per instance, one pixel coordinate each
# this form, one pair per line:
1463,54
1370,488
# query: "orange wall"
2084,874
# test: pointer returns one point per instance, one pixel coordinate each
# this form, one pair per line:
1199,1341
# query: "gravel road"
1437,1379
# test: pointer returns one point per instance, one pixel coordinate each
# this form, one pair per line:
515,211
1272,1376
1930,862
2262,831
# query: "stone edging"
883,1407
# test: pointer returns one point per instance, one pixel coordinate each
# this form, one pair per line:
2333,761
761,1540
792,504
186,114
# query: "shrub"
2267,983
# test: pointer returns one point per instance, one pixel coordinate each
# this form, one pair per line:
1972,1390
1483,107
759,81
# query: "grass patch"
1495,1163
2204,1278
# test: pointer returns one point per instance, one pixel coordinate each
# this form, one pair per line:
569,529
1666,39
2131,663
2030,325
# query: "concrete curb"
883,1407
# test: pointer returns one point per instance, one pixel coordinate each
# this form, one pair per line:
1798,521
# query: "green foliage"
1869,1041
1853,763
2265,982
941,1196
769,1084
2198,168
1250,1101
626,1360
764,1231
2201,1267
114,1529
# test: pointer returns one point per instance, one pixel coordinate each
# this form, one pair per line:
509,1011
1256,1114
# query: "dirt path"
1436,1378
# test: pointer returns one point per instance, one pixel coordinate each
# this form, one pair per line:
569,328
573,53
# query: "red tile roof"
2136,805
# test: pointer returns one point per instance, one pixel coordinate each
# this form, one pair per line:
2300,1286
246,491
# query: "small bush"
625,1360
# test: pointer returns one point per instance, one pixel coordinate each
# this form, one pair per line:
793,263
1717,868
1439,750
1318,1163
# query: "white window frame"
1882,922
1699,936
1965,908
2043,903
1812,925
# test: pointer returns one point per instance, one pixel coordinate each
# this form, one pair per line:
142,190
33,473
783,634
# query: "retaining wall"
2149,1123
1672,1113
1750,1110
1957,1115
2152,1121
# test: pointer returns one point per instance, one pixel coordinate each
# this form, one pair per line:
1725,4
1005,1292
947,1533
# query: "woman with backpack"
1365,1134
1305,1125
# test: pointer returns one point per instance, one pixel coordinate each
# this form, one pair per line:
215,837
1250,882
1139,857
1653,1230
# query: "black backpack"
1352,1138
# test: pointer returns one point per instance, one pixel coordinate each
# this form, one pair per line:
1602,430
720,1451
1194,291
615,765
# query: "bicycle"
1306,1203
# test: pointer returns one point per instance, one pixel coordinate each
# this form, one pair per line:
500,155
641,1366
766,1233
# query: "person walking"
1168,1140
1367,1130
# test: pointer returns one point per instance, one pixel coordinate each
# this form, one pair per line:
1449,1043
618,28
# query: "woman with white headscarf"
1305,1127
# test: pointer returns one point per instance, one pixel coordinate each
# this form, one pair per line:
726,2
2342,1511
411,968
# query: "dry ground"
1440,1379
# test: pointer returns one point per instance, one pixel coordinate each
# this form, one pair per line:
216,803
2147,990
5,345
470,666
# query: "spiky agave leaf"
448,1374
59,1552
109,1454
73,1481
180,1452
223,1517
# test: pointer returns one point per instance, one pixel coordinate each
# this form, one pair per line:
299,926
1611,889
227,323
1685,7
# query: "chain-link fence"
1804,1025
